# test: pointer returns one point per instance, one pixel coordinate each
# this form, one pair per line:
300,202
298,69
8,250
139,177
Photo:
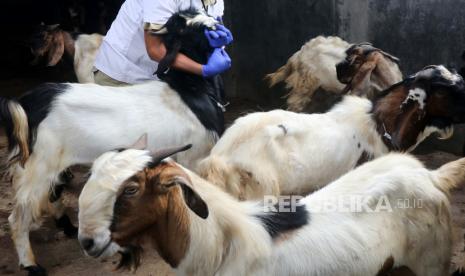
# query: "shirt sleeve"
218,9
157,12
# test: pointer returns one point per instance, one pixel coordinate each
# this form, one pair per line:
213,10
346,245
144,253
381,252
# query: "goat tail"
14,119
280,75
451,175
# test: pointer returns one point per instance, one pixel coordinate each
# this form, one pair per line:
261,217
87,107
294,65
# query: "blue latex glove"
218,62
219,37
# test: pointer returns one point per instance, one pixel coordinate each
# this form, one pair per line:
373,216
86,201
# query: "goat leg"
20,224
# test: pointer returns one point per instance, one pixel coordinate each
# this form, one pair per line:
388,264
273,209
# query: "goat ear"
194,201
408,128
408,123
57,49
51,28
140,144
169,58
361,81
191,198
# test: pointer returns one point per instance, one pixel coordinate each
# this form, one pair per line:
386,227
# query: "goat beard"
130,258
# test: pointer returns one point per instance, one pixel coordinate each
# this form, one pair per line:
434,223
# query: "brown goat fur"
413,117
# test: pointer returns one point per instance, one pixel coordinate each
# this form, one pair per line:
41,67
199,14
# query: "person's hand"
218,62
219,37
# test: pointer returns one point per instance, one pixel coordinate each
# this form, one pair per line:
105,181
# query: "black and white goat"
58,125
57,44
282,152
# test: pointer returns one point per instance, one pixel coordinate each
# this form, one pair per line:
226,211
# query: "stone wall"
268,32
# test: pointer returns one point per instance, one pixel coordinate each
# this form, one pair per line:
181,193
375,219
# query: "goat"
314,67
200,230
281,152
57,44
58,125
367,71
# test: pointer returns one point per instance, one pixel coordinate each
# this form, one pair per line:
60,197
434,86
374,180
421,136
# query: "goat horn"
159,155
368,47
393,58
53,27
141,143
159,32
156,29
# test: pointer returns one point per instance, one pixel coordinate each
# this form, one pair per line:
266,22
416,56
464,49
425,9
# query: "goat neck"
230,228
355,113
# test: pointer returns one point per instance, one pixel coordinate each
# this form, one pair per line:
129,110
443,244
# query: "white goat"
81,49
281,152
314,67
131,195
58,125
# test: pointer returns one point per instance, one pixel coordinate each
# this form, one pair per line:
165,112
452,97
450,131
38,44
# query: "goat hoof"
69,229
35,270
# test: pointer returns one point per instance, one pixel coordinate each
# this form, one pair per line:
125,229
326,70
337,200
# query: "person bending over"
129,54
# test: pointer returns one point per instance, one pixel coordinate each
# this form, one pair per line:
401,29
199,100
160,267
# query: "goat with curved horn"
335,66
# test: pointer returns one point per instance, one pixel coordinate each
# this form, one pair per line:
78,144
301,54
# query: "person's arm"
157,50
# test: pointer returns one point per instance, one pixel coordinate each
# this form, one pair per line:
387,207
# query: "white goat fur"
93,117
86,48
282,152
310,68
332,243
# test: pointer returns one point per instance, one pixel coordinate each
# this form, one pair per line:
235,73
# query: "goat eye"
129,191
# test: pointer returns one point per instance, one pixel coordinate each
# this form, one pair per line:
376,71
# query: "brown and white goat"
57,44
314,67
367,71
200,230
282,152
